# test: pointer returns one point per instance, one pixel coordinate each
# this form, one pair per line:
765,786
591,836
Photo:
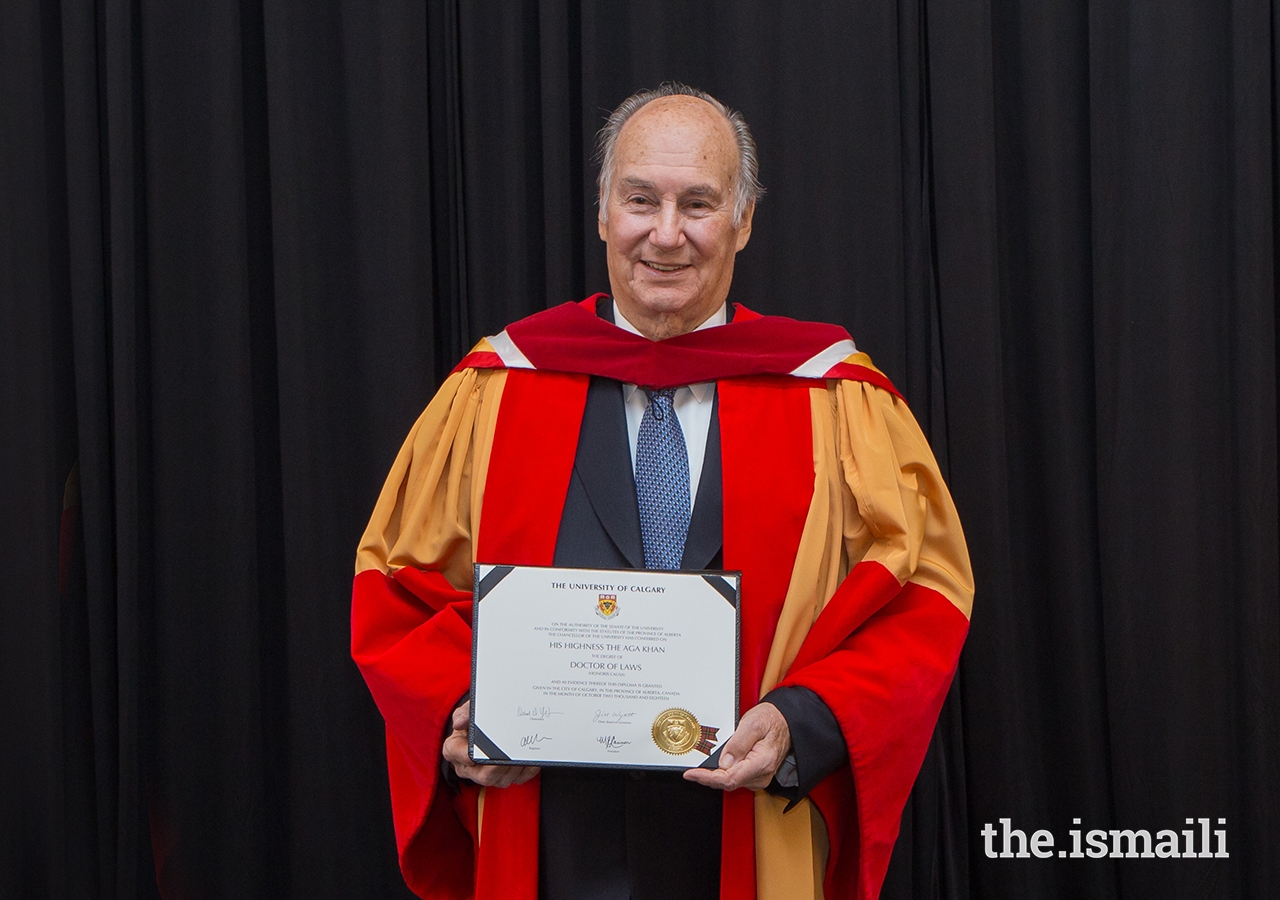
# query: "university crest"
607,606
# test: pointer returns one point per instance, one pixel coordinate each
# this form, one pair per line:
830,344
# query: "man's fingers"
454,752
712,778
499,776
516,774
720,779
752,754
455,749
750,773
747,772
749,731
525,773
755,771
462,717
759,780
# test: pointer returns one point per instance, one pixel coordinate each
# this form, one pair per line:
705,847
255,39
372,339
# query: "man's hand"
455,753
752,754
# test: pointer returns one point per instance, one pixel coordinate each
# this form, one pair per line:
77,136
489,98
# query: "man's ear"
744,230
600,223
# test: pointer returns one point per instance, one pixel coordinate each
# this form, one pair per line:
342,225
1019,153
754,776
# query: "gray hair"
746,188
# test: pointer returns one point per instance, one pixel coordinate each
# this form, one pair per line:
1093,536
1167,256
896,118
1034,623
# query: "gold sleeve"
429,510
906,520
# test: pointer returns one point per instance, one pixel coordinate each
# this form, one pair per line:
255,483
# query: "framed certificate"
603,667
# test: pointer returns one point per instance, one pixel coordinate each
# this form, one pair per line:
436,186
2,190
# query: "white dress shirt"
692,404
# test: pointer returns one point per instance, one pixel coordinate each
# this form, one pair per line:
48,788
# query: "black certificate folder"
624,668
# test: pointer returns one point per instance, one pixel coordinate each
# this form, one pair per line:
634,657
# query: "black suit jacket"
602,831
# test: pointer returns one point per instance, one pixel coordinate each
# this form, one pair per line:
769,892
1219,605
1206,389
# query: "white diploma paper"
594,667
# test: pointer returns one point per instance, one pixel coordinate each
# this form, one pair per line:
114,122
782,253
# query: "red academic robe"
881,653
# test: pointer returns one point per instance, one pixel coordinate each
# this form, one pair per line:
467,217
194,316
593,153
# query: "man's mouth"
659,267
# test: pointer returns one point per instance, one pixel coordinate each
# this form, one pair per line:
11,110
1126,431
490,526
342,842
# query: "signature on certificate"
536,713
530,740
611,742
605,717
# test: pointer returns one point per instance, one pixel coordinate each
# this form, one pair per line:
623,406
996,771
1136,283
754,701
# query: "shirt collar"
702,390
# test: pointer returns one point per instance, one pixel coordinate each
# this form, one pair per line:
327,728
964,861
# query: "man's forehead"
679,125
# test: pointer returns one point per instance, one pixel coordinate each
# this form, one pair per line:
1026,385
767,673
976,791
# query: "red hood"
572,338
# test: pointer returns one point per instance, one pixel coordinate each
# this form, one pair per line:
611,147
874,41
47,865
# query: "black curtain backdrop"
241,243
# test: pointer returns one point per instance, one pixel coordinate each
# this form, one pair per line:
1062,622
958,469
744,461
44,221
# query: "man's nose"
668,230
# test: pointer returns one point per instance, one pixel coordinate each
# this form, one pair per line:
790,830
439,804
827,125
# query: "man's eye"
638,200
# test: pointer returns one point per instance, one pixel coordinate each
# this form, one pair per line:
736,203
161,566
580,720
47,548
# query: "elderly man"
659,428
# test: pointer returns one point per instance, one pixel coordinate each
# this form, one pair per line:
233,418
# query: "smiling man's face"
668,218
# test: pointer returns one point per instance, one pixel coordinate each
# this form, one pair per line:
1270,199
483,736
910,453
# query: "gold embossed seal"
676,731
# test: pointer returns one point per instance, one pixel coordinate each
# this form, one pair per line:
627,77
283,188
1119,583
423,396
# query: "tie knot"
660,402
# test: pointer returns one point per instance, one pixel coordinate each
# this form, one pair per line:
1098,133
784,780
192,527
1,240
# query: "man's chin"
666,303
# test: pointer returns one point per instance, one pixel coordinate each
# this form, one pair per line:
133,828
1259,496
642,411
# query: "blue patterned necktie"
662,482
